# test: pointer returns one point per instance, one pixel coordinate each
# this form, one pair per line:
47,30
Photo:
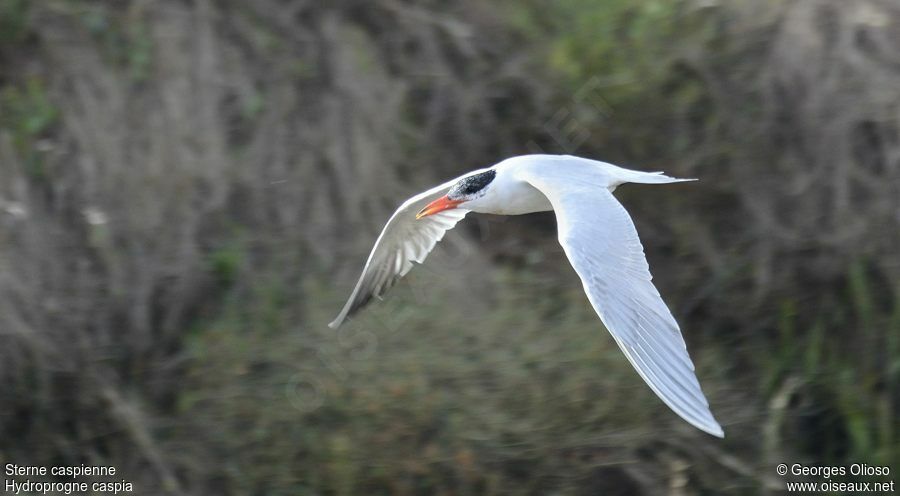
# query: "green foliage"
27,111
225,262
847,376
13,20
125,43
28,114
631,57
625,41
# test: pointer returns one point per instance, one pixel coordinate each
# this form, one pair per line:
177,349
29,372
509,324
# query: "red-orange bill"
439,205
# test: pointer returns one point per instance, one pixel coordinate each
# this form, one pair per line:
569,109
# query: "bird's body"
598,237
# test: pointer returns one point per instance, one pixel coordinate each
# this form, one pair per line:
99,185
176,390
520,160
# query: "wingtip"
709,426
715,431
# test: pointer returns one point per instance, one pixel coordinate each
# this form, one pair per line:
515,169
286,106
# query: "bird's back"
584,171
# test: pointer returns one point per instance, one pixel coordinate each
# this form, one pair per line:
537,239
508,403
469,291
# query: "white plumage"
598,237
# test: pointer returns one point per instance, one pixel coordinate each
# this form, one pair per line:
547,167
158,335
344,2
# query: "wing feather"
603,247
403,240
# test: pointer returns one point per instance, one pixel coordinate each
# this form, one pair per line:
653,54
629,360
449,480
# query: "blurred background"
188,190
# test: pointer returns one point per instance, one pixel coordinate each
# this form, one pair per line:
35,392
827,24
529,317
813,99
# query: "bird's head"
467,189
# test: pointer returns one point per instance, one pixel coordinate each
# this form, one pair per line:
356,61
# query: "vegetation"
188,189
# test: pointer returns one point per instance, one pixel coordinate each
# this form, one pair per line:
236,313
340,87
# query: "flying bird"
598,237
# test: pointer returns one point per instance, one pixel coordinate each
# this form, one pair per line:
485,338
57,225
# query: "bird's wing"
403,240
602,244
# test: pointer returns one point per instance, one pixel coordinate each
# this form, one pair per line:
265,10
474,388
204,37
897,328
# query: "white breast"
509,195
521,198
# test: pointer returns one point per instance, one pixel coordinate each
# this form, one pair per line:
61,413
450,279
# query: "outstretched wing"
403,240
602,244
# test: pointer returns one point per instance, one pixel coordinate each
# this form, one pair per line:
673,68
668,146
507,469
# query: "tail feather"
620,175
633,176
